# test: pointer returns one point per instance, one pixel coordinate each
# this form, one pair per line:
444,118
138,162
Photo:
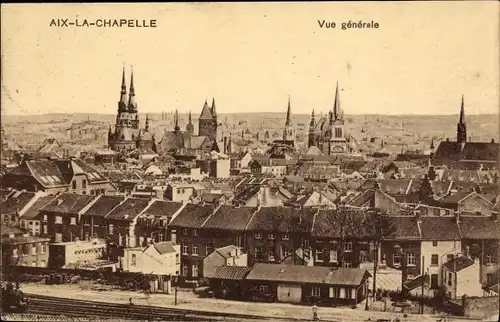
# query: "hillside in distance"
410,132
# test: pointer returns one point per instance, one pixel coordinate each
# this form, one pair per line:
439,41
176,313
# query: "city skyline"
251,57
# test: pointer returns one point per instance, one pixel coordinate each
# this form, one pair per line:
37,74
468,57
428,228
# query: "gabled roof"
160,208
333,223
192,216
479,227
459,263
230,218
439,228
128,210
33,211
69,203
283,219
16,202
231,272
307,274
103,205
456,197
226,251
406,228
164,247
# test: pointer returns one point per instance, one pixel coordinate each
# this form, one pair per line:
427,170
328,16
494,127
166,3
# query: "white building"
161,259
461,276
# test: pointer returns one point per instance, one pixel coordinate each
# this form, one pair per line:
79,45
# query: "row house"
30,218
14,205
93,220
61,218
275,233
19,248
338,239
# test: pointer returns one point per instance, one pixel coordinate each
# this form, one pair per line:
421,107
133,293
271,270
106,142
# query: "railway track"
41,304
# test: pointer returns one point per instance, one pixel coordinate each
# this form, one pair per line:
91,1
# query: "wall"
475,203
442,249
149,260
469,281
480,306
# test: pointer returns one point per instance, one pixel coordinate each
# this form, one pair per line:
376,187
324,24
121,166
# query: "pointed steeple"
206,112
313,121
214,110
122,104
176,122
461,125
432,144
131,96
288,121
146,126
336,105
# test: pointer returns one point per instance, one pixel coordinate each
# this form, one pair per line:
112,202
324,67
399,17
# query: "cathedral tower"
312,126
289,131
338,142
207,123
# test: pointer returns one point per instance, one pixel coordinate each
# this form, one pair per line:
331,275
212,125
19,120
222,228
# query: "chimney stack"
457,217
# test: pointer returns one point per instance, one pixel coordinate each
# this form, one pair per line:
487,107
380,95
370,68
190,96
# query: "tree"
378,226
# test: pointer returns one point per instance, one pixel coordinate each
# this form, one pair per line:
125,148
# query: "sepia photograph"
266,161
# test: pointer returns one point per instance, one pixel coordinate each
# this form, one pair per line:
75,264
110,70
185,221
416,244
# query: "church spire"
288,113
214,111
336,105
206,112
176,121
461,126
123,93
131,95
313,121
146,127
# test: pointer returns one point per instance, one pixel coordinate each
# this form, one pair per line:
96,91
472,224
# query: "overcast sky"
420,60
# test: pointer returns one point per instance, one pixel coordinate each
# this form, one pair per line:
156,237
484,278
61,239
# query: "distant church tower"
127,121
207,123
338,142
289,131
312,126
461,126
190,126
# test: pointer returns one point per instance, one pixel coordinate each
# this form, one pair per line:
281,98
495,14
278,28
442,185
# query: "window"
304,242
194,250
73,184
258,235
44,217
33,249
43,264
110,229
184,231
195,232
334,292
239,241
333,256
134,260
319,255
270,236
316,291
185,249
363,256
33,264
25,249
490,259
208,249
160,237
84,184
285,236
396,259
348,246
263,288
347,264
58,220
434,281
185,270
43,248
177,259
285,252
270,254
434,260
173,236
490,279
449,279
411,259
73,220
195,270
258,253
45,229
434,243
30,223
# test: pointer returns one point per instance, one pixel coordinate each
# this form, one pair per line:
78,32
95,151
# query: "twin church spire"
127,105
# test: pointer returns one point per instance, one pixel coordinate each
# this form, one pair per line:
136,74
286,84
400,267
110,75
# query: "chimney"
457,217
467,251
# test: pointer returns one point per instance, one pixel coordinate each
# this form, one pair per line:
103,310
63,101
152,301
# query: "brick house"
30,218
21,249
93,219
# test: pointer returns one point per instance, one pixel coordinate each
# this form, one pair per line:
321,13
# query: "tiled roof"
192,216
230,218
480,151
307,274
456,197
33,211
479,227
406,228
231,272
335,223
282,219
103,205
69,203
459,263
16,202
226,251
439,228
447,150
129,209
160,208
164,247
